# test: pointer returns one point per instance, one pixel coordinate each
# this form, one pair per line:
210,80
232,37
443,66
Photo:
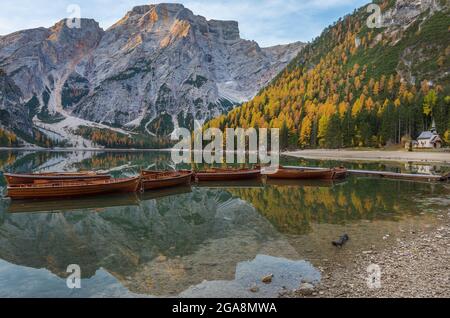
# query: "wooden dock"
392,175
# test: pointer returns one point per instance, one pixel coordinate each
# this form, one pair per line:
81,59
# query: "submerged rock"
254,289
267,279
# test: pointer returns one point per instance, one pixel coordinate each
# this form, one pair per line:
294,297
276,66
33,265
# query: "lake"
207,240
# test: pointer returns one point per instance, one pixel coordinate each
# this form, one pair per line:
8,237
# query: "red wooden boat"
227,174
69,189
309,174
159,179
15,178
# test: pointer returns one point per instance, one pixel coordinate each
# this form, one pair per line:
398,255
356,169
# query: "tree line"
345,90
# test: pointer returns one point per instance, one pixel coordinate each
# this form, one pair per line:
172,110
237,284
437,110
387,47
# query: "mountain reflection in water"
159,247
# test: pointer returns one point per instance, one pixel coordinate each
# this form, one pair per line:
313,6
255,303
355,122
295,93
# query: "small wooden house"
429,140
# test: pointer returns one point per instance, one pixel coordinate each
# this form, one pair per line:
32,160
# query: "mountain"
159,67
356,86
11,105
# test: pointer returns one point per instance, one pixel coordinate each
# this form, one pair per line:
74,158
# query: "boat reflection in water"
163,193
97,204
304,183
244,184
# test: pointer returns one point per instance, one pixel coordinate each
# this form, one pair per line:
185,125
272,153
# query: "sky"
268,22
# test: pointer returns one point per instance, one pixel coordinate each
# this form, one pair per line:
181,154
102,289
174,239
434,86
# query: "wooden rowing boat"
308,174
69,189
152,180
227,174
15,178
298,174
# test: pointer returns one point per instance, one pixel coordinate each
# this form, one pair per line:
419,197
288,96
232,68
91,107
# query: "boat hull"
72,189
298,174
159,180
223,175
306,174
15,179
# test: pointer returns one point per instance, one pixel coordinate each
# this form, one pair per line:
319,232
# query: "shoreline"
415,266
424,157
82,149
373,155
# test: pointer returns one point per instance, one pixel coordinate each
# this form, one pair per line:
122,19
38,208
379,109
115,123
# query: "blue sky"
269,22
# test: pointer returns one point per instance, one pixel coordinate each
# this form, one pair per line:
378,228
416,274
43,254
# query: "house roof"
426,135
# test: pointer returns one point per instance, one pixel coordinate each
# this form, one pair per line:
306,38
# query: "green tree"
323,131
284,136
334,136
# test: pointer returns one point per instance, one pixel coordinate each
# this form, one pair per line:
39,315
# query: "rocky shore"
417,265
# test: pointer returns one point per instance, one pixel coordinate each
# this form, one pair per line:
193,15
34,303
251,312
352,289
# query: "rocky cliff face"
39,60
404,12
159,66
13,113
407,16
163,64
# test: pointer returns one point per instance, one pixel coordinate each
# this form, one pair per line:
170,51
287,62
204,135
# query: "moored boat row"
64,185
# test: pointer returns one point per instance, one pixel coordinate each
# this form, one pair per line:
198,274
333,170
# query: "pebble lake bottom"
208,240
